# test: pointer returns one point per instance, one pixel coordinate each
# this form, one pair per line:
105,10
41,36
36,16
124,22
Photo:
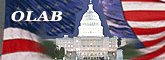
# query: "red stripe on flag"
144,15
19,45
151,55
153,42
144,0
147,31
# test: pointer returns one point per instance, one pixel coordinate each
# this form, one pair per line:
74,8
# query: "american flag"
146,19
22,40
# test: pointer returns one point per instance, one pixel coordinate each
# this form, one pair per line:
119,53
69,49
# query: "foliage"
129,51
62,51
52,51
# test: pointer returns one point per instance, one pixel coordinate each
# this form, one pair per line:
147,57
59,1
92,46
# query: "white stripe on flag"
17,33
151,37
130,6
152,48
151,24
161,57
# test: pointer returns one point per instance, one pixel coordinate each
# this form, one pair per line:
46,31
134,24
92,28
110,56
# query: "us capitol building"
90,43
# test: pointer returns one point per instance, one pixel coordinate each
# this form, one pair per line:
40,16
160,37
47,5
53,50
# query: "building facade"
90,43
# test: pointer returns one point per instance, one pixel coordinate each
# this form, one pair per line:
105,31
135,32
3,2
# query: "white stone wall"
67,43
89,46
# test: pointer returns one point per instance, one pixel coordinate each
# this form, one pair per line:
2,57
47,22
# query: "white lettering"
29,15
58,16
44,16
14,14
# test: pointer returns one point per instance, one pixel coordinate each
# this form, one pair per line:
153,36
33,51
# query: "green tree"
61,53
52,51
129,51
51,48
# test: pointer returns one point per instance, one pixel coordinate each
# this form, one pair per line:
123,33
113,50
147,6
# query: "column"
87,57
63,58
76,57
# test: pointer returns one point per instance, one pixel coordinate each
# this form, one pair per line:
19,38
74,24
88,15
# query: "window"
68,45
114,54
88,48
104,49
95,53
76,40
62,46
71,45
90,45
99,53
77,49
70,54
83,49
58,45
91,40
110,46
91,53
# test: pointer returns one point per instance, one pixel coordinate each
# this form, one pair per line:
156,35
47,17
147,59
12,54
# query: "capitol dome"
90,18
90,24
90,14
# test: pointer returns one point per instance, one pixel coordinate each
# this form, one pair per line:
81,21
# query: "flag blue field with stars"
114,16
68,7
116,22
